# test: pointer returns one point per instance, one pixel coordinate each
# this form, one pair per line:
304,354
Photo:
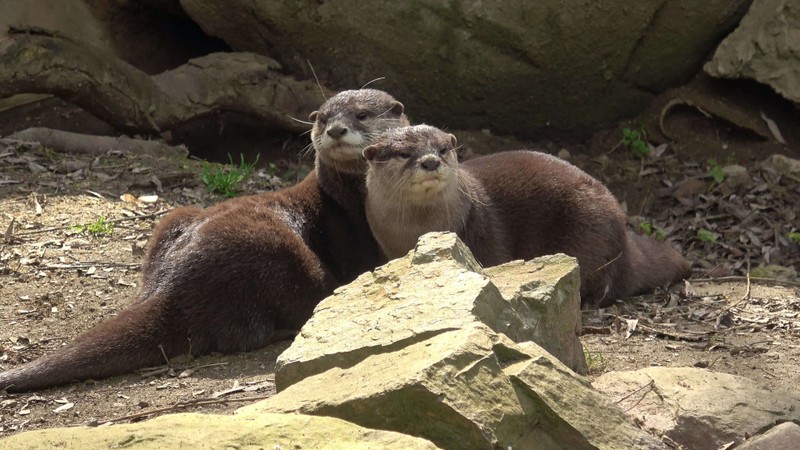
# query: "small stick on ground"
187,404
66,227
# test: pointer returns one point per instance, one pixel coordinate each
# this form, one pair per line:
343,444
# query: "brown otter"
511,205
414,186
228,278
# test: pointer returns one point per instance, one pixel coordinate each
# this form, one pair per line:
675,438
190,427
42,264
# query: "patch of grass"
595,362
636,140
715,171
706,235
225,180
795,236
100,227
648,229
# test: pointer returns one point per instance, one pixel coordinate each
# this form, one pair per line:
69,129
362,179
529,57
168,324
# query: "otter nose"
336,131
430,164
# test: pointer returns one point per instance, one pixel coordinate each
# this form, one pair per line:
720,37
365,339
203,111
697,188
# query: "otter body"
512,205
237,275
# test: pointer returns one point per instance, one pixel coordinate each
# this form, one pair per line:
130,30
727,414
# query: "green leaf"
707,236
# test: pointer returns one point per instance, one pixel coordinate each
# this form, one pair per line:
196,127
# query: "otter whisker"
314,72
372,81
307,150
301,121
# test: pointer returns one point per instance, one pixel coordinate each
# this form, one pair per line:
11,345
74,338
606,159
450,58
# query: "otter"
510,205
414,186
238,275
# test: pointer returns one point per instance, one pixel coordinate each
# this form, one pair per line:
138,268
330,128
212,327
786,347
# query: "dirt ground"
57,280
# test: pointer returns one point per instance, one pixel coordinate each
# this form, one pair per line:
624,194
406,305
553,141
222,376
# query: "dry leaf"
157,182
773,128
148,198
64,407
10,230
631,327
128,198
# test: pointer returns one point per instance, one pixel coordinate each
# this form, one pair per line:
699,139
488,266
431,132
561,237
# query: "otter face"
348,122
417,163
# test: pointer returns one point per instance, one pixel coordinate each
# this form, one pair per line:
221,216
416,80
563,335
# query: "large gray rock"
205,431
523,68
466,388
785,436
698,408
765,48
437,288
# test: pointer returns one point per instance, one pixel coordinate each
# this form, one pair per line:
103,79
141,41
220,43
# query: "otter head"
415,165
348,122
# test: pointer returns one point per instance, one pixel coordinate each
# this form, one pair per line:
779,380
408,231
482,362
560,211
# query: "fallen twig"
86,265
747,279
648,385
186,404
66,227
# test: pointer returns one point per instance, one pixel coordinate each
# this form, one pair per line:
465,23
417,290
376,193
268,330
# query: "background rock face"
518,68
70,17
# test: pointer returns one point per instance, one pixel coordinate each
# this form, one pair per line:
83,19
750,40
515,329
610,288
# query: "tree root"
38,61
64,141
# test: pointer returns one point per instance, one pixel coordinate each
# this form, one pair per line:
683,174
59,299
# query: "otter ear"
398,108
313,116
453,140
370,152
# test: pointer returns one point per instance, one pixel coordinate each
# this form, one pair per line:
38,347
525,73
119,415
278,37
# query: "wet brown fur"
542,205
227,278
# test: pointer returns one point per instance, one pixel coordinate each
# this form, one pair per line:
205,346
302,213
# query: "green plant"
635,140
648,229
595,362
715,171
707,236
225,180
795,236
100,227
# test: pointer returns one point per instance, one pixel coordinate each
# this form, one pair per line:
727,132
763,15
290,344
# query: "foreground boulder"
423,346
204,431
698,408
437,288
466,388
785,435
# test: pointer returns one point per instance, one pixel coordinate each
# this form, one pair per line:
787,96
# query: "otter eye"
361,116
404,155
443,151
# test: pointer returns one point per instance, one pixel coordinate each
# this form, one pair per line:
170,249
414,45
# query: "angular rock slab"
203,431
765,48
698,408
544,294
438,287
466,388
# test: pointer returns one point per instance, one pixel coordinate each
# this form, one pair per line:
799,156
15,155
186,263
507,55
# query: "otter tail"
652,263
118,345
